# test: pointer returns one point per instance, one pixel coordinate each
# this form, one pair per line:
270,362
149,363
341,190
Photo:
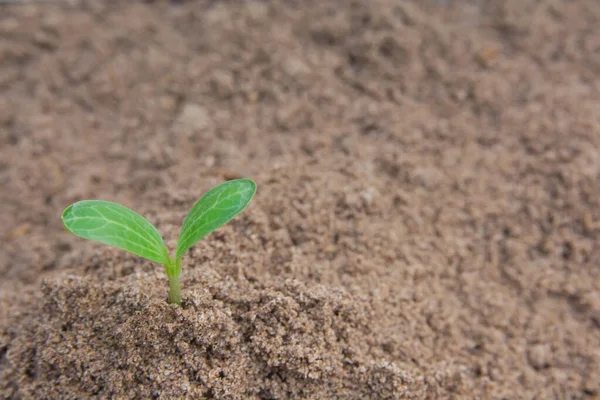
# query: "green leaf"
217,207
115,225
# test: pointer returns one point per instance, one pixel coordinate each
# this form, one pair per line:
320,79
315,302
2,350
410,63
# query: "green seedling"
118,226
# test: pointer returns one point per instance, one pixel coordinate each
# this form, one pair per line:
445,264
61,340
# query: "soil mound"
230,340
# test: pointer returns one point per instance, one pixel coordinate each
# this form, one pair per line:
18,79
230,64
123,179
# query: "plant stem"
174,290
174,274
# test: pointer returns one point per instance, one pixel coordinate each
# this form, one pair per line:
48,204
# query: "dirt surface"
427,217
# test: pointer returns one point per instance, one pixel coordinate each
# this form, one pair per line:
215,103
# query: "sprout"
118,226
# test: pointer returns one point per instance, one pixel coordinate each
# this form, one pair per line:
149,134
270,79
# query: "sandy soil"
427,217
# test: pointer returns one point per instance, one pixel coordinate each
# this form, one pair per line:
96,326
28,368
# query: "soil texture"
426,223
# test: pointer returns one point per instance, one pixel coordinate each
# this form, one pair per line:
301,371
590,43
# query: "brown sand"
427,217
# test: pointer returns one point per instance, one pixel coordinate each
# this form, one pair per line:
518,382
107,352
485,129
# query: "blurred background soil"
427,217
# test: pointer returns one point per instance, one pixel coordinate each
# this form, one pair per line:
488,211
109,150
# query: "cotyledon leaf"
217,207
115,225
